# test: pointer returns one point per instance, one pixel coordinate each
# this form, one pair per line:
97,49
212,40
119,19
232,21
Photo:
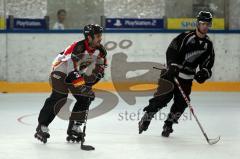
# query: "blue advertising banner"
23,23
134,23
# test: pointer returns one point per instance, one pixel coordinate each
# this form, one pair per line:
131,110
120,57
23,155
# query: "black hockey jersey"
188,52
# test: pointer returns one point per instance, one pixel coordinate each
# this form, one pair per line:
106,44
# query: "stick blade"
87,147
213,141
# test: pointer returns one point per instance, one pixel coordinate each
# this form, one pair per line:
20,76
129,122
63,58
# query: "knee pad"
79,111
82,103
59,104
158,102
178,108
55,102
151,109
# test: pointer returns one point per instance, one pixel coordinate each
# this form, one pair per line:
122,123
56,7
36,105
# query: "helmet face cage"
204,16
92,29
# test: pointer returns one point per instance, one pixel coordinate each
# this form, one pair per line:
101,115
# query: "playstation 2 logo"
117,23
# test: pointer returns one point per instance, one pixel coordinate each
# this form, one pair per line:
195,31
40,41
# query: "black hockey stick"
210,141
85,147
157,68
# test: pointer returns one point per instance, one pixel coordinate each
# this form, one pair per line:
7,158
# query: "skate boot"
74,132
42,133
144,122
167,129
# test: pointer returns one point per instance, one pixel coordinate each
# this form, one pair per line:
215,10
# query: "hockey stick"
159,68
85,147
210,141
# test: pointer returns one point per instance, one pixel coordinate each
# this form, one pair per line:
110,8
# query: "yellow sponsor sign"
190,23
2,23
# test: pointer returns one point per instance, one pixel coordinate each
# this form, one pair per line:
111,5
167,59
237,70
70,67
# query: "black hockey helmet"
92,29
204,16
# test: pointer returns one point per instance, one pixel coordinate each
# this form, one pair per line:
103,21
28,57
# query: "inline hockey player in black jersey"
69,75
188,52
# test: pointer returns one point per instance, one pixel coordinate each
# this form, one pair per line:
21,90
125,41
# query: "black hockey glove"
94,78
173,71
201,76
100,75
75,78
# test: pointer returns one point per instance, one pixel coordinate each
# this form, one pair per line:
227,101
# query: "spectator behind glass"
61,15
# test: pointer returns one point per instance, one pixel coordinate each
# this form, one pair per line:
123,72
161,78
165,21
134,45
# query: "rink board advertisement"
2,23
25,23
190,23
134,23
130,57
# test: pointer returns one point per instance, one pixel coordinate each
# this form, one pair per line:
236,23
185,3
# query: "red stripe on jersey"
89,50
70,48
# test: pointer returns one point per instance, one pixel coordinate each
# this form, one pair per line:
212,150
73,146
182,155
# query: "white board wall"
27,57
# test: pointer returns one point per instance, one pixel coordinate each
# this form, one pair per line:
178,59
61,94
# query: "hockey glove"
201,76
75,78
173,71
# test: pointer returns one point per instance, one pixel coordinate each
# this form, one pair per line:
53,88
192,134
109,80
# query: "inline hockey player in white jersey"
69,75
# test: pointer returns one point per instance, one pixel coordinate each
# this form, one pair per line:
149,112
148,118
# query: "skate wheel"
165,134
78,140
44,141
68,139
83,140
